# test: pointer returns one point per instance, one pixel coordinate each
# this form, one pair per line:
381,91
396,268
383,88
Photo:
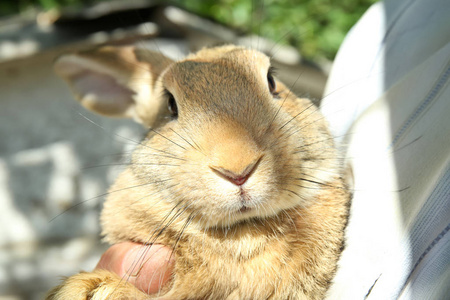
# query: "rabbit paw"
96,285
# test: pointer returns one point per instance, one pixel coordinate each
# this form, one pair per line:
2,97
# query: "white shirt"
388,104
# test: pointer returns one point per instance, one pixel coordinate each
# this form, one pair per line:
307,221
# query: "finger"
148,268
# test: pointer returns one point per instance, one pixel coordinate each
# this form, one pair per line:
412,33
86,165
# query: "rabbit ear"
115,81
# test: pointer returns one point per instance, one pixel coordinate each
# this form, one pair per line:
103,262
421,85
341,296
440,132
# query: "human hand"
147,268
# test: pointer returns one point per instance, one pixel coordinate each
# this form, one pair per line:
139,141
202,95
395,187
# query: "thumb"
147,267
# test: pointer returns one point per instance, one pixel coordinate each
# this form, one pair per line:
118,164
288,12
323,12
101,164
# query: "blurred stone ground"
50,191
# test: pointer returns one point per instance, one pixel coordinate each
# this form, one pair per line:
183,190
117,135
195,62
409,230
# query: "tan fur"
279,236
124,66
97,285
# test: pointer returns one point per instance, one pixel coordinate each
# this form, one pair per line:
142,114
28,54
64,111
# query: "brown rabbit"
238,175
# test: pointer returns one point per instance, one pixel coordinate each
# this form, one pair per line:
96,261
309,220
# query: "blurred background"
314,27
57,160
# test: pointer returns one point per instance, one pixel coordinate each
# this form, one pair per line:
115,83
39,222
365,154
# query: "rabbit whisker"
160,134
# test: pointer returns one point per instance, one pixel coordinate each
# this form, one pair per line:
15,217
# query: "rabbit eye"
172,104
271,82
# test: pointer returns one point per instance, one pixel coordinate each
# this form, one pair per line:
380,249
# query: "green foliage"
315,27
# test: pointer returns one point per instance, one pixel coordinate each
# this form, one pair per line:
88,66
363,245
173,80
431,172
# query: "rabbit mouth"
245,200
247,203
244,209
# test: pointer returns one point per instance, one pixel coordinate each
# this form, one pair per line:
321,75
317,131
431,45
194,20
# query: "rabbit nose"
237,178
231,152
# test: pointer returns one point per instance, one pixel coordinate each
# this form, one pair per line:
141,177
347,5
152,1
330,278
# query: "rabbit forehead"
234,53
220,64
224,78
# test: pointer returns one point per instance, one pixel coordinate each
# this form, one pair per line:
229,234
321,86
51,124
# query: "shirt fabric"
388,105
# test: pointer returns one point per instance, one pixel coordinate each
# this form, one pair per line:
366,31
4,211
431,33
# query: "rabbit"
238,175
